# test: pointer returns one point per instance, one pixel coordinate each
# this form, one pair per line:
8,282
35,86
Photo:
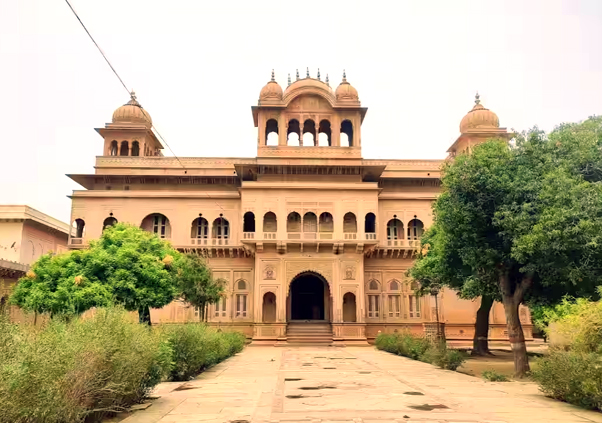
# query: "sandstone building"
25,234
307,231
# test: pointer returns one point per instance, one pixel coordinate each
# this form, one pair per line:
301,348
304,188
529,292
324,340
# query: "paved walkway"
353,384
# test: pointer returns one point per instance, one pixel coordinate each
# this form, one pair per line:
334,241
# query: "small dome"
479,118
345,91
271,91
132,112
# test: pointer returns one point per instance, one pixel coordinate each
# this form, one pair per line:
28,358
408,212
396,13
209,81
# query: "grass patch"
493,376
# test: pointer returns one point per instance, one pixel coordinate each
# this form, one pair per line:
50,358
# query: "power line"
129,93
118,77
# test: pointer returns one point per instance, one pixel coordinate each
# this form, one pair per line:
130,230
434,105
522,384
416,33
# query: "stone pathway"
353,384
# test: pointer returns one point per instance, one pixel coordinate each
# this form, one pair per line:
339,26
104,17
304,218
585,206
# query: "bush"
78,370
493,376
419,348
197,347
571,376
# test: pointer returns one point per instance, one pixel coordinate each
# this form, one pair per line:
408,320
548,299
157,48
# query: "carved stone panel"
323,268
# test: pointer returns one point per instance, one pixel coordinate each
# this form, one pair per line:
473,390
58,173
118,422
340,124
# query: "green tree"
524,221
196,285
126,266
435,269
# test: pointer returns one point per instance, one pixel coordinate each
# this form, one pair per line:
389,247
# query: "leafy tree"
435,269
127,266
524,220
196,284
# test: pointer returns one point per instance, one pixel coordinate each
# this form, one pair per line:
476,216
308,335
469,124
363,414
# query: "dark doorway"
308,294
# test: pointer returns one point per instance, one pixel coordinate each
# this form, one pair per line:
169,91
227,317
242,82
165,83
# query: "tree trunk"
144,315
511,299
480,343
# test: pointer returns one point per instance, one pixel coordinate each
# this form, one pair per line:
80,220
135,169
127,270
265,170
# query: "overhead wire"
129,92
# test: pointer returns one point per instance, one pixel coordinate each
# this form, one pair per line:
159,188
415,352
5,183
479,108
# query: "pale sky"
198,66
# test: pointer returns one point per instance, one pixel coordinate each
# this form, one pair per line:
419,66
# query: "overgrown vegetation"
493,376
85,368
126,266
197,347
419,348
572,371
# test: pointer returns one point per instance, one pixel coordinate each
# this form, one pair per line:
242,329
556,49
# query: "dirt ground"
501,361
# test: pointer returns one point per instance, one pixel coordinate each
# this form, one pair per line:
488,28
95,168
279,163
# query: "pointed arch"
135,148
270,223
158,224
199,228
324,134
271,132
349,223
248,222
113,150
221,228
346,133
293,222
125,149
415,229
293,133
309,133
394,229
109,221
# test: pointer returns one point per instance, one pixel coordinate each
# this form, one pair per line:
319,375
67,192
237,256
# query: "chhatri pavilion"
313,240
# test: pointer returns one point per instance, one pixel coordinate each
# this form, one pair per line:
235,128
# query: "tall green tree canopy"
127,266
523,221
196,284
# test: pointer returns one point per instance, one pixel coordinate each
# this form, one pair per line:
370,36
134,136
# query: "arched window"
374,285
293,133
310,222
125,148
349,223
269,308
158,224
373,299
109,221
346,134
349,308
221,228
269,222
271,132
80,227
324,134
241,298
293,222
414,286
394,229
309,133
370,223
248,222
326,222
113,149
394,301
415,229
200,228
135,148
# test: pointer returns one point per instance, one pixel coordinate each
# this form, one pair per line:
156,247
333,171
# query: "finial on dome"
289,79
307,73
344,76
327,82
318,74
273,76
133,99
297,74
477,98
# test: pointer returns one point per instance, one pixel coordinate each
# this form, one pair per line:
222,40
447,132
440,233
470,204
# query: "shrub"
197,347
493,376
571,376
419,348
78,370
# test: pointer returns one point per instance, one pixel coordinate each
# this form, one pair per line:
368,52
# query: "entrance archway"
309,299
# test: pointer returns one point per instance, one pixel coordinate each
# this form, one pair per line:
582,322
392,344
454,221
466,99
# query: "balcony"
220,241
248,235
199,241
76,241
269,235
412,243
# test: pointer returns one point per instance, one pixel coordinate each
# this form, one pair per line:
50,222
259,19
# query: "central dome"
132,112
479,118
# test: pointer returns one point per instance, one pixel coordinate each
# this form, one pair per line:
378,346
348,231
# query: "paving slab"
352,384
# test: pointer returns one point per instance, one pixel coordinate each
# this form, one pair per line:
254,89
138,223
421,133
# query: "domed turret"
345,91
271,91
132,112
479,118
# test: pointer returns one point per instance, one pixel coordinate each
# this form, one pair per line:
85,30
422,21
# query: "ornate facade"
307,231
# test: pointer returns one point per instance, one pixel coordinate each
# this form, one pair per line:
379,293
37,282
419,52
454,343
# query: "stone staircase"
309,333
